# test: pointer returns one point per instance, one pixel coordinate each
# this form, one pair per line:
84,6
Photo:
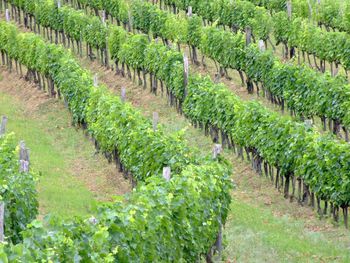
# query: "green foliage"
307,92
279,141
149,18
297,32
329,46
304,34
117,37
303,90
234,14
74,23
195,30
291,83
227,49
287,145
17,191
115,124
131,52
258,64
281,27
328,13
160,221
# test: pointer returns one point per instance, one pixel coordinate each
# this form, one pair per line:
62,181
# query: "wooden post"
104,17
167,173
123,94
186,73
248,35
23,158
289,9
155,120
248,40
3,125
130,22
7,15
262,45
318,6
106,62
2,221
217,151
218,243
95,80
310,10
93,220
65,102
189,13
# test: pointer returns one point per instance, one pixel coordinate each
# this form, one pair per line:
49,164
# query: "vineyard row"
305,92
297,152
167,220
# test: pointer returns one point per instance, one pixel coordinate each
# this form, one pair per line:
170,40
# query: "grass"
59,192
256,235
63,155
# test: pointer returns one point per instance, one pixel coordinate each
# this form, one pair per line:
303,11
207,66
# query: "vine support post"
167,173
186,74
262,46
286,186
130,22
248,40
310,10
218,243
106,61
96,80
2,222
81,44
345,214
3,125
248,35
104,17
7,15
155,120
192,49
189,11
23,158
289,9
217,149
123,94
289,12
